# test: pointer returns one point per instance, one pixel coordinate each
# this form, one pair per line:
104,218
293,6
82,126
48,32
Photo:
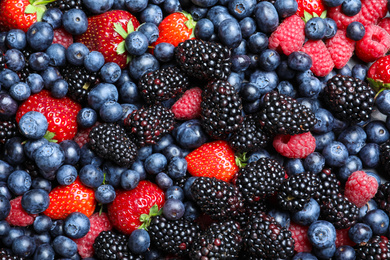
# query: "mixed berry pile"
194,129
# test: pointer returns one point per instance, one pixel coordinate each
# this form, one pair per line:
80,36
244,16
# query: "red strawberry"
75,197
379,73
133,208
340,48
18,216
310,6
215,159
107,32
99,222
60,113
374,45
289,36
176,28
188,106
322,61
61,36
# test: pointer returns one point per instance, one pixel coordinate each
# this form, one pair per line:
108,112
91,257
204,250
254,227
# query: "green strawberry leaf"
241,160
128,59
119,29
324,14
190,23
49,137
146,219
30,9
130,27
121,48
378,85
40,11
306,16
315,14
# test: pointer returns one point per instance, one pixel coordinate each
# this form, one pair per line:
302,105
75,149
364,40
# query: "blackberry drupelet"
378,248
297,190
2,60
264,238
26,71
329,185
221,109
181,181
339,211
281,114
111,142
250,210
80,82
384,156
8,129
382,197
162,84
148,125
204,60
219,199
109,245
349,98
65,5
222,240
249,137
31,168
6,255
173,237
259,179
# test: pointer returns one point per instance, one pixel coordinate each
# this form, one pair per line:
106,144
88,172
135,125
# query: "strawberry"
214,159
311,7
289,36
75,197
378,74
21,14
374,45
18,216
322,61
188,106
107,32
60,113
133,209
340,48
61,36
176,28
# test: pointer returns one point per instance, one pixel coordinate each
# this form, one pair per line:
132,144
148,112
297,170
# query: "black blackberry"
259,179
220,240
378,248
264,238
31,168
250,210
8,129
221,109
382,197
204,60
249,137
65,5
217,198
339,211
111,142
281,114
349,98
162,84
329,185
148,125
2,60
80,82
26,71
297,190
109,245
174,237
384,156
7,255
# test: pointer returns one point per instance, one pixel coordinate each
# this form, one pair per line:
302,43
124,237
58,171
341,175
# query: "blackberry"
297,190
8,129
250,210
111,142
80,82
148,125
2,60
329,185
109,245
65,5
6,255
221,109
281,114
339,211
264,238
204,60
260,179
217,198
26,71
31,168
174,237
249,137
378,248
382,197
350,99
163,84
384,156
221,240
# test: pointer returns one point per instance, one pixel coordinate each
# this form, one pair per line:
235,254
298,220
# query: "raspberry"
342,20
18,216
99,223
299,234
62,37
188,106
82,135
295,146
322,61
289,36
342,238
360,188
385,24
374,45
340,48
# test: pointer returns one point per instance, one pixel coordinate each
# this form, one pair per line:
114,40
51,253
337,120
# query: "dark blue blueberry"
24,246
139,241
331,28
41,183
254,63
369,155
144,152
266,17
91,176
235,80
261,153
75,21
143,64
171,6
44,252
129,92
300,61
333,3
35,201
315,28
53,16
98,7
155,163
5,170
101,93
14,60
57,229
20,91
110,72
321,234
94,61
4,191
229,33
192,212
64,246
33,125
354,138
87,156
174,192
370,205
300,75
163,181
190,134
325,121
19,182
352,164
129,179
286,88
172,151
198,12
40,36
49,76
16,39
304,256
382,101
39,61
42,223
111,111
173,209
378,221
204,28
105,194
250,91
5,227
240,63
49,157
345,253
86,117
153,254
57,55
359,71
136,43
335,154
204,3
139,167
282,217
325,253
284,71
59,89
346,71
266,81
286,8
269,60
314,162
76,53
5,207
14,233
293,166
163,143
241,9
310,87
309,213
76,225
248,27
355,31
8,78
113,173
257,42
377,132
164,52
351,7
13,151
150,30
3,36
339,126
66,174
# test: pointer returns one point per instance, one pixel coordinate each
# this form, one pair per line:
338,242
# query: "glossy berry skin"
311,7
76,225
49,157
351,7
173,209
310,87
91,176
266,17
14,59
53,16
356,31
44,252
308,214
293,166
23,246
360,233
269,60
13,16
352,164
174,192
139,241
20,91
378,221
102,93
5,207
369,155
64,246
190,134
257,42
314,162
177,168
33,125
286,8
164,52
66,174
325,121
19,182
300,61
359,71
335,153
110,112
129,179
354,138
377,132
35,201
105,194
321,234
136,43
345,253
40,36
42,224
16,39
155,163
71,151
204,29
315,28
75,21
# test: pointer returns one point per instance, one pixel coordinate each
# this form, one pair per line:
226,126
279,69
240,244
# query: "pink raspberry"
360,188
299,234
374,45
62,37
18,216
322,61
385,24
372,11
340,48
99,223
188,106
342,238
82,134
295,146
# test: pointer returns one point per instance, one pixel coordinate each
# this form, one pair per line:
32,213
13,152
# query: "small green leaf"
315,14
119,29
49,136
153,210
378,85
144,217
43,2
121,48
30,9
130,27
324,14
307,16
40,11
128,59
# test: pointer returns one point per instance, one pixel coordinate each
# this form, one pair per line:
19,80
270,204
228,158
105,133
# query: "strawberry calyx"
147,218
49,137
37,7
190,23
378,85
307,16
241,160
121,49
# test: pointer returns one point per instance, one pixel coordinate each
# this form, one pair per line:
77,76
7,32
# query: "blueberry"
75,21
331,28
321,234
190,134
352,164
5,207
24,246
144,152
163,181
4,228
310,87
76,225
135,6
172,6
308,214
377,132
250,91
5,170
286,8
354,138
151,14
130,179
14,60
128,92
111,111
19,182
378,221
345,253
87,156
346,71
370,205
64,246
39,61
13,151
204,29
136,43
57,229
43,238
35,201
76,53
285,72
49,157
351,7
333,3
174,192
217,14
57,55
143,64
360,71
13,234
49,76
155,163
261,153
314,162
173,209
266,81
33,125
164,51
53,16
8,78
98,7
269,60
66,175
373,174
241,9
16,39
192,212
86,117
4,191
293,166
325,121
310,103
204,3
266,17
40,36
177,168
71,151
369,155
315,28
198,12
42,223
335,154
282,217
105,194
59,89
355,31
360,233
164,142
150,30
325,253
91,176
257,42
20,91
235,80
138,166
44,252
101,93
300,61
139,241
41,183
229,33
32,145
304,256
